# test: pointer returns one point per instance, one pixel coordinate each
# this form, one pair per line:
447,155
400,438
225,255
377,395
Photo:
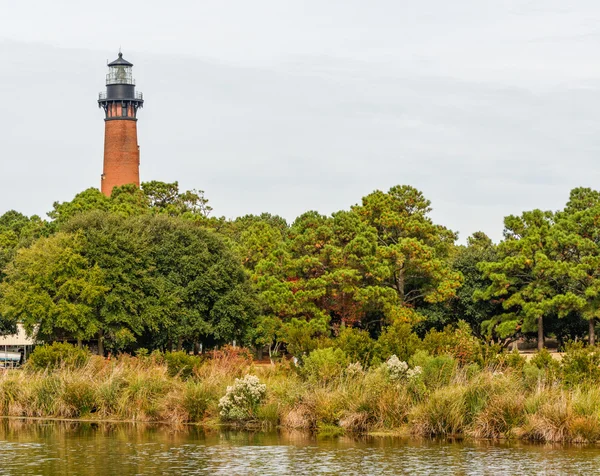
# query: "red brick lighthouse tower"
120,103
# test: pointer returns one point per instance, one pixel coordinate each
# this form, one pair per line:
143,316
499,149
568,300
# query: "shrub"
45,395
242,399
580,364
301,337
58,354
324,364
395,368
435,371
397,339
458,342
543,360
514,360
398,370
356,344
181,363
500,416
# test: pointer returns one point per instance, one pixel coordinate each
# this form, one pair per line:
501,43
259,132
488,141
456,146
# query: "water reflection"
52,448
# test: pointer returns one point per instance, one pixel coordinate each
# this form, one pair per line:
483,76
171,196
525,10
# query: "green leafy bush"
356,344
458,342
580,364
513,360
181,363
58,354
436,371
397,339
543,359
301,337
323,365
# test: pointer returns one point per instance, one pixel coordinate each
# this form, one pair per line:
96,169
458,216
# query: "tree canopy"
150,267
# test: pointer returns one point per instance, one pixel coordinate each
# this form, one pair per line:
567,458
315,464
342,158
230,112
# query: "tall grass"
528,401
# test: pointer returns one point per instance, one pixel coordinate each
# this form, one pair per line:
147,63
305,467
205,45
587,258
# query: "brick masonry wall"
121,155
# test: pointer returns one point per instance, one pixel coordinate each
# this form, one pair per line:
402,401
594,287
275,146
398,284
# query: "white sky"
489,107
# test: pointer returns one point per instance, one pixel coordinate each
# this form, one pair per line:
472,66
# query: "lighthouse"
120,102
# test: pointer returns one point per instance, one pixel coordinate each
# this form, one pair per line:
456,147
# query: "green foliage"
435,371
267,332
397,339
58,354
544,360
323,365
165,198
79,396
519,275
356,344
149,267
412,250
443,414
302,337
54,289
514,360
458,342
466,260
580,364
181,363
196,400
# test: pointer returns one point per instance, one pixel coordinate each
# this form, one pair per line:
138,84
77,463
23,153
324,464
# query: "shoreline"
435,396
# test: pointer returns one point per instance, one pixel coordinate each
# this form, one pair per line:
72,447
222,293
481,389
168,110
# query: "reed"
440,398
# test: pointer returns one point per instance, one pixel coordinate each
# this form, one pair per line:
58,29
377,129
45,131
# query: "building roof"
120,61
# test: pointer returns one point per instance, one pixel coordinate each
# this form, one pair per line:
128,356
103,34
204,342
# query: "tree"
122,252
166,277
16,231
208,290
165,198
464,306
412,252
128,200
53,289
268,332
523,275
577,246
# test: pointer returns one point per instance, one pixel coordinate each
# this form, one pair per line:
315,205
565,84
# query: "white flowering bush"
242,398
414,373
355,370
396,368
399,370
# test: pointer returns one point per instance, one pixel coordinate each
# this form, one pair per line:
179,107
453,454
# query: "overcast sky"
490,107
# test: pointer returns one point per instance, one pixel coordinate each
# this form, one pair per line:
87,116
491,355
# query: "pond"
53,448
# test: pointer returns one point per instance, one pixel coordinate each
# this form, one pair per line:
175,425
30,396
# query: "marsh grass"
523,400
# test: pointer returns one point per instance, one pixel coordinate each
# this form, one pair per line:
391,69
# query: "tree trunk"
79,343
179,343
540,343
196,348
101,343
592,331
400,284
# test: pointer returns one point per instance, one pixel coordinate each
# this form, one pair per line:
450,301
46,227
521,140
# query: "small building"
15,348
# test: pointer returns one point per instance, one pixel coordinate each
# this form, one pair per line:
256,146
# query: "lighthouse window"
123,110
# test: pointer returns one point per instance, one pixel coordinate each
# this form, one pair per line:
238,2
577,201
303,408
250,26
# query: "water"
53,448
